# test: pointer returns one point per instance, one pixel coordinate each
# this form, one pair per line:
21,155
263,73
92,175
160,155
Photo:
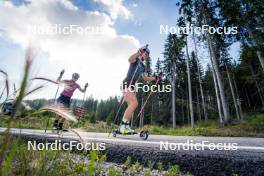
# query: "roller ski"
125,129
58,128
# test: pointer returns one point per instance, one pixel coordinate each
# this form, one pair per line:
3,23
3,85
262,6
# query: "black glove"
144,48
158,78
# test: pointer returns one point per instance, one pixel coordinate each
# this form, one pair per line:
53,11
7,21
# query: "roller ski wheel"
144,135
115,132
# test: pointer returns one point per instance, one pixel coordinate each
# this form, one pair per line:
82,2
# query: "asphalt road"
198,155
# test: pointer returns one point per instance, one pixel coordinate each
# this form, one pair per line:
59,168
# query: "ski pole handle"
86,85
62,72
58,87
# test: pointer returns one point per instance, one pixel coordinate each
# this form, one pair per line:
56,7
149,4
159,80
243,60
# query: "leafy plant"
93,157
160,166
147,173
127,163
138,166
114,172
173,170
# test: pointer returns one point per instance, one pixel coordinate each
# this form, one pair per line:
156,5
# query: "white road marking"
112,140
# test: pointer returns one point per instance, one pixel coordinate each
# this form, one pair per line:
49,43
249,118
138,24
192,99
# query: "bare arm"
59,81
133,57
84,89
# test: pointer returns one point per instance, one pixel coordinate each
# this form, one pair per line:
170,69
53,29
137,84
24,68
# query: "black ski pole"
61,74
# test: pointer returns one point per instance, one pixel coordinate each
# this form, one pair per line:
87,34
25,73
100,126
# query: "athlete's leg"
132,103
58,123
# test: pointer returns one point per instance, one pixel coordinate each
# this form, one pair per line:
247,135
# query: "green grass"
253,127
173,170
40,122
18,160
100,127
46,162
27,122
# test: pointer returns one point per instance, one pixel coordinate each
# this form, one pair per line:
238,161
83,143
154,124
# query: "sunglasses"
145,51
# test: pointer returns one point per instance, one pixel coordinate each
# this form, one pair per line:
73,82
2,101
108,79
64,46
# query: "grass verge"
253,127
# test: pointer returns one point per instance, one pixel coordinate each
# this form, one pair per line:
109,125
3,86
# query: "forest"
207,83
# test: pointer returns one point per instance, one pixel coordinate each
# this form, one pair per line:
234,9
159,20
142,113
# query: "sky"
117,28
